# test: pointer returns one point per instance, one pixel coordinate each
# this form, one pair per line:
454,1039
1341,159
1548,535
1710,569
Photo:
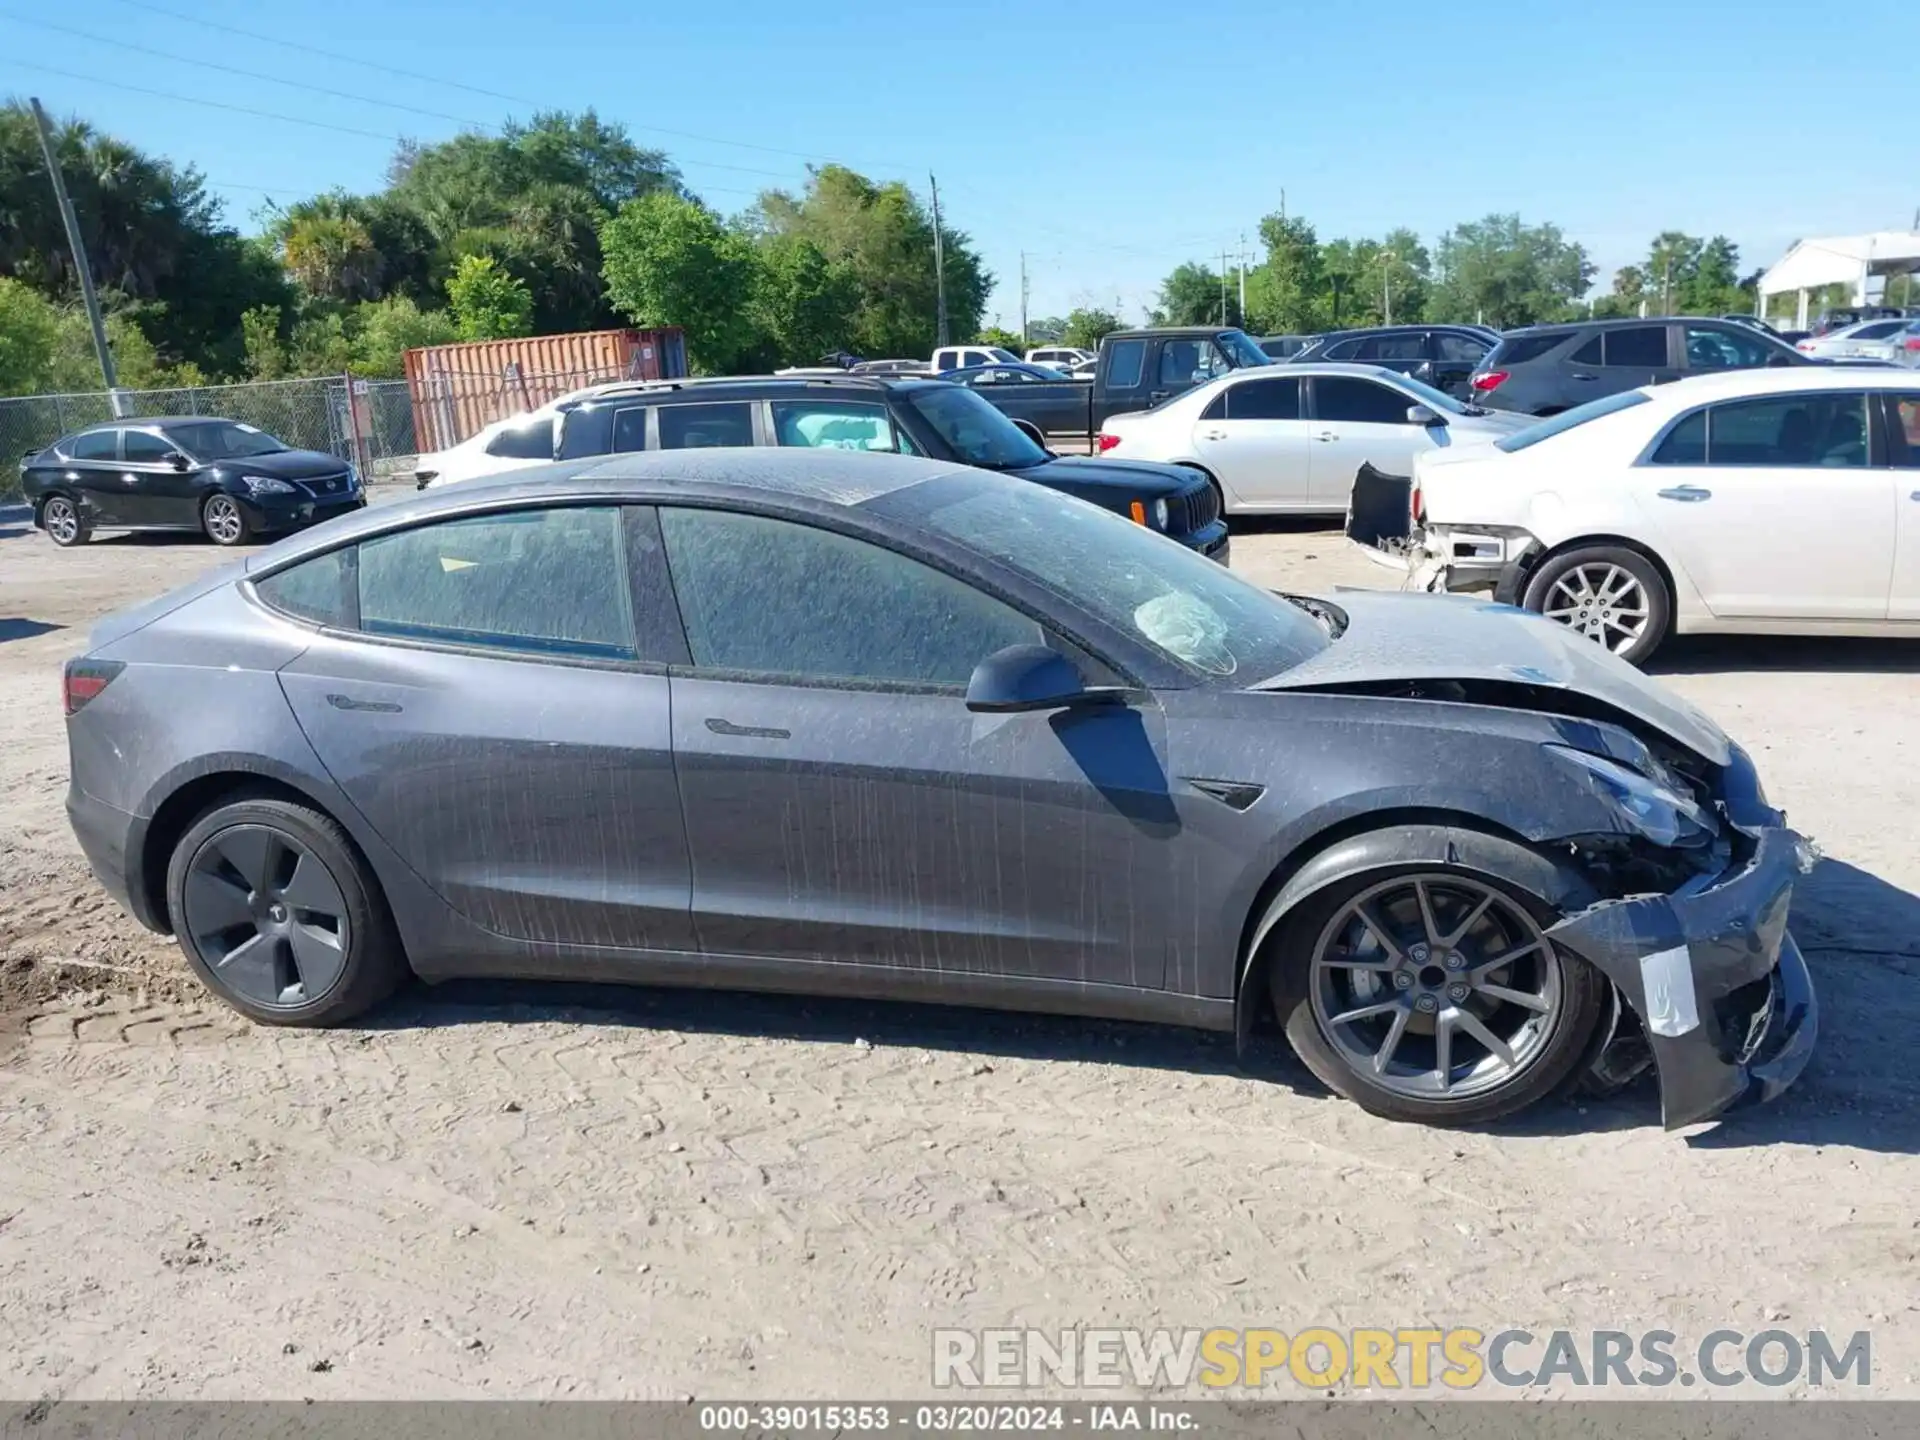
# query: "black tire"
1563,1050
224,519
60,517
1546,586
373,964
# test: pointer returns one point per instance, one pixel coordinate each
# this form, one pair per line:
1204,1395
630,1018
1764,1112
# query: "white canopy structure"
1841,260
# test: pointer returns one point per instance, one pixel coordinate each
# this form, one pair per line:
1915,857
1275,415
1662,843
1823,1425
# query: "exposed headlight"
353,477
1658,812
1159,509
266,485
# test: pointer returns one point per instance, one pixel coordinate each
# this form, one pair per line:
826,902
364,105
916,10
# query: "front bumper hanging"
1715,978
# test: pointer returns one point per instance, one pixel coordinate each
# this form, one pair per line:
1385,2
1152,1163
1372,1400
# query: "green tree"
802,302
1193,294
1087,327
266,353
333,257
487,302
1503,273
884,236
1005,339
1047,330
384,330
669,261
1288,292
29,334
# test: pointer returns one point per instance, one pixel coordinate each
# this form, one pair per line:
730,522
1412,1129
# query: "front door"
1903,454
496,723
1774,508
1359,422
155,491
844,806
1256,440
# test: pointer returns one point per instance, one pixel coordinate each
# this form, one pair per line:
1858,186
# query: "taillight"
1914,343
81,680
1107,442
1417,505
1488,380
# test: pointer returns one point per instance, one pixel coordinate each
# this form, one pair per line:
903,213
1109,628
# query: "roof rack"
655,387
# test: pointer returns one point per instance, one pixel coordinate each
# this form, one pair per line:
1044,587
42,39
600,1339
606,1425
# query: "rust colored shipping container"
457,390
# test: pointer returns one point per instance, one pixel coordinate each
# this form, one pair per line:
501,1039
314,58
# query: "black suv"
912,417
1549,368
1445,356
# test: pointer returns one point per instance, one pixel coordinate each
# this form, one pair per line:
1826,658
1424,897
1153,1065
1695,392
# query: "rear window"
1519,349
1570,420
95,445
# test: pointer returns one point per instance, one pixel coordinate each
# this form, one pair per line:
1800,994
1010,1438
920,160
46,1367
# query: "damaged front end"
1712,990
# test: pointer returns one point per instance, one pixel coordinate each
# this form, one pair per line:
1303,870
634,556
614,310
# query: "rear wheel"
224,521
1614,596
280,916
62,521
1433,996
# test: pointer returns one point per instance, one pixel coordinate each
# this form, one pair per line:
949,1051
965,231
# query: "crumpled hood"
1393,636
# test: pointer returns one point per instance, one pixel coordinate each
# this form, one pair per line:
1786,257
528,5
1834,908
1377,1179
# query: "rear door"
1780,507
1358,422
843,805
93,472
497,710
1254,436
1637,355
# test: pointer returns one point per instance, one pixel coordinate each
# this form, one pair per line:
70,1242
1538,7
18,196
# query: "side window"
1358,401
1686,443
1587,354
1827,430
1458,349
1125,361
776,598
1216,408
545,582
1344,349
95,445
317,589
1265,400
1903,434
1393,347
629,429
694,427
1642,346
145,449
1188,362
1716,349
831,425
532,441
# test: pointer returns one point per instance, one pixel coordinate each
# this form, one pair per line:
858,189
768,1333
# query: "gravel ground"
501,1190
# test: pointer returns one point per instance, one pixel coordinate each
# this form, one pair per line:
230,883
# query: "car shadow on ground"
1328,525
1860,1090
1828,654
17,629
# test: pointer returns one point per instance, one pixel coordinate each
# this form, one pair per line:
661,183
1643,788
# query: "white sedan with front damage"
1289,439
1751,502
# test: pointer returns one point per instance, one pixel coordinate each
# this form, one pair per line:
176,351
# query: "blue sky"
1109,141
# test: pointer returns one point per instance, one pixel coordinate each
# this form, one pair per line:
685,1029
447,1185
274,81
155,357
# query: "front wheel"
1614,596
224,521
1434,997
61,519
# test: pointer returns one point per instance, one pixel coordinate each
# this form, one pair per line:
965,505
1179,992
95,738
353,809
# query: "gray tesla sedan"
871,725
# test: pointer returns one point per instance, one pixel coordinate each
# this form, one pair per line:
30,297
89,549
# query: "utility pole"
1243,277
1223,284
1666,287
939,268
115,395
1023,300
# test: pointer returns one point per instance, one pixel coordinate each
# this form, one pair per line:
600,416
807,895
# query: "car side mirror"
1032,432
1775,362
1423,415
179,461
1030,677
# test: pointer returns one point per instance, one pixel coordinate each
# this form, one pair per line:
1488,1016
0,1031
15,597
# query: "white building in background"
1855,260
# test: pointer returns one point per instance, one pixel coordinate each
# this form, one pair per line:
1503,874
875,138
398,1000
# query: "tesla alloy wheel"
224,521
280,916
1435,996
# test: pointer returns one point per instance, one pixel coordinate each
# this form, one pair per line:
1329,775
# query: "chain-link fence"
311,414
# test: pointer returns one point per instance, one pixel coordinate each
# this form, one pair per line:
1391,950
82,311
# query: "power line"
346,59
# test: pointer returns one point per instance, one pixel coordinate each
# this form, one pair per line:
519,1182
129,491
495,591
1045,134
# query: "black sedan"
876,725
227,480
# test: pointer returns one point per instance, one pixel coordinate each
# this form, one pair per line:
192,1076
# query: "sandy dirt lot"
535,1191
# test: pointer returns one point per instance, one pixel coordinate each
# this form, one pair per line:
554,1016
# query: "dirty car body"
1079,768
